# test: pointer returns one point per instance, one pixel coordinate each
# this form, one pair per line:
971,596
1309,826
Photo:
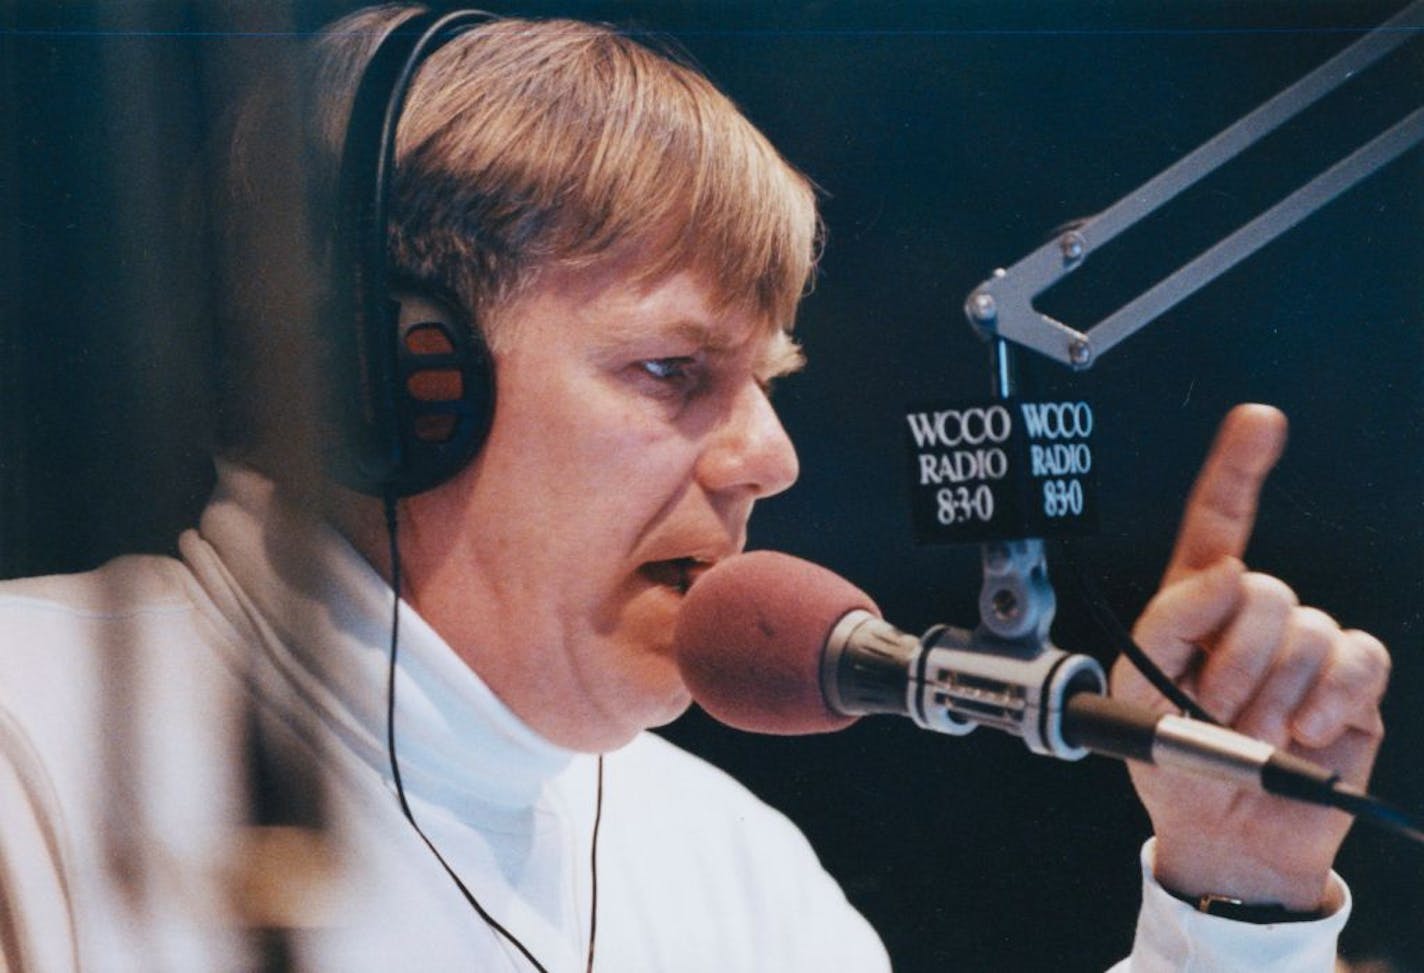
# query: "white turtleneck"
124,695
270,606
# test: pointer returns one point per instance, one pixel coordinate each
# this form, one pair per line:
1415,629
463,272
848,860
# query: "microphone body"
773,644
770,643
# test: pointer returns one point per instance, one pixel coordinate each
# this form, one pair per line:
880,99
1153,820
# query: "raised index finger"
1221,510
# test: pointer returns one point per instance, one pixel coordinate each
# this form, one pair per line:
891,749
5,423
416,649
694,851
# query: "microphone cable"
1340,795
1121,639
389,503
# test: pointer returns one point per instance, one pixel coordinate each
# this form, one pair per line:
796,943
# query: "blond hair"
529,143
523,145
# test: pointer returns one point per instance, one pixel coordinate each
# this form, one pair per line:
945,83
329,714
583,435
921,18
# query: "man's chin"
657,693
672,711
637,690
617,736
642,686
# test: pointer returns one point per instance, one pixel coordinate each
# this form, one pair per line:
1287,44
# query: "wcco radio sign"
1000,470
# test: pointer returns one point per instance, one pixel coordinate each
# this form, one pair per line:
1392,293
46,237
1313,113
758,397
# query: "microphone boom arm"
1002,306
1002,663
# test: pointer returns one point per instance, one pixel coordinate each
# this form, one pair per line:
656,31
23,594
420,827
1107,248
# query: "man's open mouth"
678,573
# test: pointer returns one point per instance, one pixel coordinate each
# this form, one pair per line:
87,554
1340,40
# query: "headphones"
414,383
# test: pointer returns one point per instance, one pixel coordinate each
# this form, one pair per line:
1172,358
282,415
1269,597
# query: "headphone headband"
381,452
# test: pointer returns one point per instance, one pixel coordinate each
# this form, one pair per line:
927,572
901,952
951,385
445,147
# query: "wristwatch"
1229,907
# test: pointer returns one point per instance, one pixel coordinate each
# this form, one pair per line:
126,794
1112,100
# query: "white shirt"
125,696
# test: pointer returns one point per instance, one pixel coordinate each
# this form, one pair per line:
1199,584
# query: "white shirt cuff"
1173,936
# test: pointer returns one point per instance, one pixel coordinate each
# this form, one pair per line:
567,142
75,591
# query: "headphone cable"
389,503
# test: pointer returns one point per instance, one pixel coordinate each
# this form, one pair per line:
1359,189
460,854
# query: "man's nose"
751,450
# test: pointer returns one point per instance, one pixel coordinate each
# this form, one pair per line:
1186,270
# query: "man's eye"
671,370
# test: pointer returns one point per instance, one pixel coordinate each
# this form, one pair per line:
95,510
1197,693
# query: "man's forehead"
682,304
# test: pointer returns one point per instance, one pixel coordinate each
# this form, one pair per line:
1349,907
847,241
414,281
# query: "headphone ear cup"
445,398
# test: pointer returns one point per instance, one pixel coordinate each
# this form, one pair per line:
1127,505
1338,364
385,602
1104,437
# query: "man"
633,252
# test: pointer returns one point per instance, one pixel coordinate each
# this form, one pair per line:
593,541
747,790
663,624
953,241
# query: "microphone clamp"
957,680
1005,674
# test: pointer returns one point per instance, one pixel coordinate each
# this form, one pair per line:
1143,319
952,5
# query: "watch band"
1229,907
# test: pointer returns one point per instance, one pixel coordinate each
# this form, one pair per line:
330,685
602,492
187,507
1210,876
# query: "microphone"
773,644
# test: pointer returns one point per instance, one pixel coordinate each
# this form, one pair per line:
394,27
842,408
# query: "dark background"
948,139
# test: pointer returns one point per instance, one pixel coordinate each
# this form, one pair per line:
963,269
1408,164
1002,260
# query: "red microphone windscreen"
749,640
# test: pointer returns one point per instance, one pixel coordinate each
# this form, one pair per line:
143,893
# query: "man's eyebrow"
692,330
782,356
779,353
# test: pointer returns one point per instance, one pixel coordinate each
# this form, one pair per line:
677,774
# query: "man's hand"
1254,658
